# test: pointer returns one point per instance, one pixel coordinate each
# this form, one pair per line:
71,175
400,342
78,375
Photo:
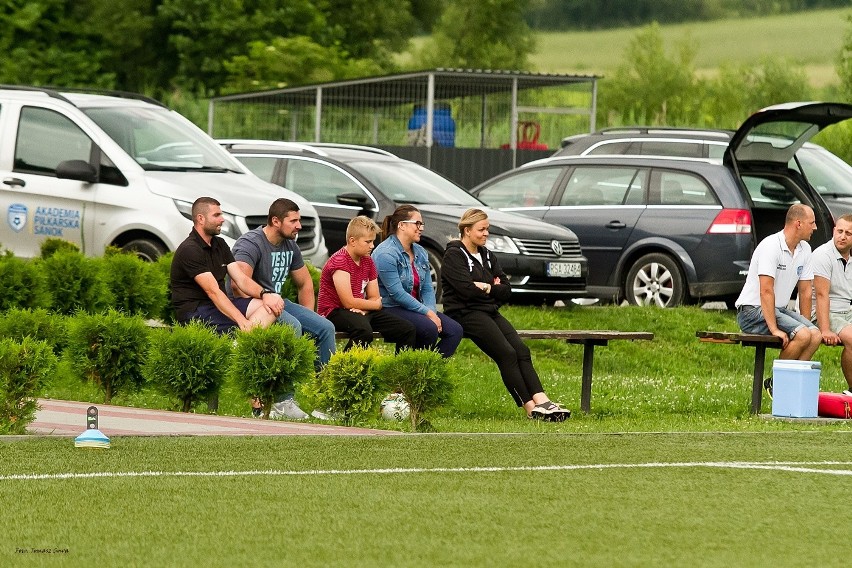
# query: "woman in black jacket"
474,287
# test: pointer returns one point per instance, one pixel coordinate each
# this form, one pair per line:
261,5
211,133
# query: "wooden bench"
587,338
760,343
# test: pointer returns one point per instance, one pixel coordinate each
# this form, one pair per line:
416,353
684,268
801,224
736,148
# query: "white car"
120,171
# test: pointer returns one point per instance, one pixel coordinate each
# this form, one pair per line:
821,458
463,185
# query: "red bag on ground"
833,405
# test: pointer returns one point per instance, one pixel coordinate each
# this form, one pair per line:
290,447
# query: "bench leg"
586,387
757,384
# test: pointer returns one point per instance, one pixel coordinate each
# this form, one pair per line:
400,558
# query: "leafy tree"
740,90
652,88
292,61
384,32
480,34
46,43
203,34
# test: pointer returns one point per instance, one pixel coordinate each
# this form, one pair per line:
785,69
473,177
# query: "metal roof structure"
377,95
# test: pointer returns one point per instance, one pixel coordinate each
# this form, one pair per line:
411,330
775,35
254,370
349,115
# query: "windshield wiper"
835,194
206,169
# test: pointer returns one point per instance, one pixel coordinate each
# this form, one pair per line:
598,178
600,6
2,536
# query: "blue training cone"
92,437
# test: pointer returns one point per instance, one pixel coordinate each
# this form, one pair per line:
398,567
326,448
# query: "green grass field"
668,469
702,499
811,39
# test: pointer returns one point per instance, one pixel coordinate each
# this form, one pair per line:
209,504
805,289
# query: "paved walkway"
66,418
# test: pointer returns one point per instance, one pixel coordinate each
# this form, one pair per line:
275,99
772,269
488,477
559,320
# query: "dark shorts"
210,314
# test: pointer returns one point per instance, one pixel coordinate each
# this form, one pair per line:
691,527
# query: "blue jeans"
302,319
750,320
428,337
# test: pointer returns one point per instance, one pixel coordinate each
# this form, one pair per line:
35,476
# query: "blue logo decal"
17,217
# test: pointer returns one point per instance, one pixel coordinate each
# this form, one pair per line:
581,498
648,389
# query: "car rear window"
677,188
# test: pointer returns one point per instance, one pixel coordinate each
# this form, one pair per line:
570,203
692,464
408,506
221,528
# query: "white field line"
797,467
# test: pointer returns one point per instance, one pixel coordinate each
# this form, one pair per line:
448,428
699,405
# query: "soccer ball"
395,407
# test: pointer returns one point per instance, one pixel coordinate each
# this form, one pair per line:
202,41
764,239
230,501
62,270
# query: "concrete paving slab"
68,418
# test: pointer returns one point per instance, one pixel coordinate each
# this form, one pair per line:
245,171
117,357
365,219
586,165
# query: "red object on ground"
833,405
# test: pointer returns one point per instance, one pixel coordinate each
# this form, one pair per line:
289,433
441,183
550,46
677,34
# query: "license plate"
563,269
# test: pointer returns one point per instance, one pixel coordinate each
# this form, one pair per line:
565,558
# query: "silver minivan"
121,171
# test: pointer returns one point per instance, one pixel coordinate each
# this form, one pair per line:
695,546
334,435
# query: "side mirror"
353,199
78,170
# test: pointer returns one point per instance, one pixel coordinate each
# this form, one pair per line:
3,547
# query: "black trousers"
360,328
498,339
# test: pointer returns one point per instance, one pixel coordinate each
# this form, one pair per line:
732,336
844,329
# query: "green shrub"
270,361
423,377
23,285
137,287
25,368
188,362
51,246
349,385
289,290
39,324
75,282
164,266
108,349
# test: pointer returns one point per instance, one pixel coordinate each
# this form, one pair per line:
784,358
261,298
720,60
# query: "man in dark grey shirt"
269,255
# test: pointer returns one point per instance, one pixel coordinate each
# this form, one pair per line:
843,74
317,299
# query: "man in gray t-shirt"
270,255
833,285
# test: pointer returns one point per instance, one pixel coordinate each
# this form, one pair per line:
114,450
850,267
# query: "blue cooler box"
795,388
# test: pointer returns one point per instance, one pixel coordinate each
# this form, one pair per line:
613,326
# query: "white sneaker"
287,408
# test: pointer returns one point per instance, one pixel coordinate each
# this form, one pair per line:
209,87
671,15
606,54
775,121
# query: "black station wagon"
665,230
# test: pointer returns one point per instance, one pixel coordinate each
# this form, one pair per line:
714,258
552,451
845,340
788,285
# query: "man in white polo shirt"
780,264
833,285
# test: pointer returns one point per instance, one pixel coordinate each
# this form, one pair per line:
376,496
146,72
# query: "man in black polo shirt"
198,278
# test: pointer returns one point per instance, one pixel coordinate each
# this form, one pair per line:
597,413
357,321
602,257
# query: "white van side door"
35,203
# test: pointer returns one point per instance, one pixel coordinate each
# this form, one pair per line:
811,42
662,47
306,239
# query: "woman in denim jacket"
406,285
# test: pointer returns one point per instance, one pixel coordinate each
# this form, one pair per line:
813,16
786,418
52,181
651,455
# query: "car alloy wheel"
655,280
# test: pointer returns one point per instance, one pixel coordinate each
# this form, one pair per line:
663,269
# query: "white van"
123,171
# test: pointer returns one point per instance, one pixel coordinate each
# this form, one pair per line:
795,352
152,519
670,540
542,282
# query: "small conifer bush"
269,362
423,377
348,385
188,362
108,349
25,368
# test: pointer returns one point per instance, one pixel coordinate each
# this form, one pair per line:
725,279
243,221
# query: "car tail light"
731,222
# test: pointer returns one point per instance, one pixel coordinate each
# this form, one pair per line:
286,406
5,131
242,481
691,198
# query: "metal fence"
465,124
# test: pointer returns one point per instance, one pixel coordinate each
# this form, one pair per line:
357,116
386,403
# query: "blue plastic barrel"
443,125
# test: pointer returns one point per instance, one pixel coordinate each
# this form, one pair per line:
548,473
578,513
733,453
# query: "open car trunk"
760,152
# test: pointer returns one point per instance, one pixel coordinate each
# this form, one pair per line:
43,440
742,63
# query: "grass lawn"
429,500
668,469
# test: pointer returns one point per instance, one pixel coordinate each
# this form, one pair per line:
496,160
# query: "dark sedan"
543,261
